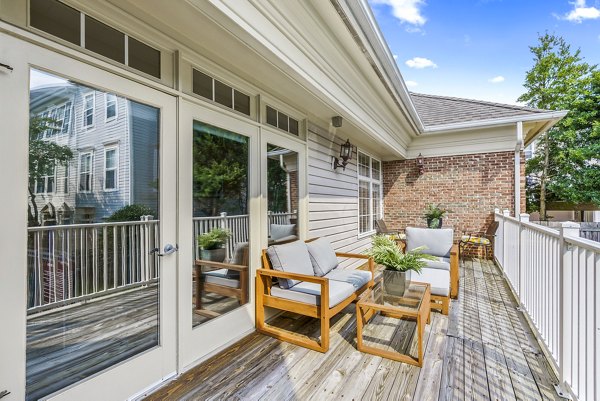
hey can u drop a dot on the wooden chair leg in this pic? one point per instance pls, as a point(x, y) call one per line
point(324, 334)
point(445, 305)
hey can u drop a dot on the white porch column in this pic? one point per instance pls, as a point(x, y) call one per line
point(518, 148)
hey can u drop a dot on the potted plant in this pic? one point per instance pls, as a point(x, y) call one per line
point(211, 244)
point(386, 252)
point(434, 215)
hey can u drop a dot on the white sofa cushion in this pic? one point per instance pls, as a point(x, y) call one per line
point(220, 277)
point(290, 258)
point(279, 231)
point(310, 293)
point(439, 280)
point(357, 278)
point(441, 263)
point(437, 240)
point(322, 256)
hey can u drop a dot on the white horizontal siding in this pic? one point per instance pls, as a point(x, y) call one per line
point(333, 195)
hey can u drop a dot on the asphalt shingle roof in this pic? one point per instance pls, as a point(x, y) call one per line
point(441, 110)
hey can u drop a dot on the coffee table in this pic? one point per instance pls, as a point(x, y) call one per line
point(412, 305)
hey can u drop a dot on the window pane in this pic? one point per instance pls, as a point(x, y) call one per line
point(242, 102)
point(363, 164)
point(223, 94)
point(104, 40)
point(202, 85)
point(282, 121)
point(293, 126)
point(376, 171)
point(271, 116)
point(111, 106)
point(363, 206)
point(96, 265)
point(143, 57)
point(57, 19)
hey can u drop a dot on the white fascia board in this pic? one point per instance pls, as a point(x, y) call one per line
point(495, 122)
point(364, 19)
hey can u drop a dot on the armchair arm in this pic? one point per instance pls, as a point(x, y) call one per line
point(220, 265)
point(454, 274)
point(359, 256)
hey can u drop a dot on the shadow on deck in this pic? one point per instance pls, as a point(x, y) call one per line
point(483, 350)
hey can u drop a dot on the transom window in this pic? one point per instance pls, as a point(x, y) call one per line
point(215, 90)
point(369, 193)
point(282, 121)
point(111, 165)
point(85, 172)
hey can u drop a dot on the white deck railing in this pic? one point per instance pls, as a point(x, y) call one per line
point(74, 262)
point(556, 277)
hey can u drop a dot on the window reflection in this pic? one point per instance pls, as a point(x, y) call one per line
point(282, 197)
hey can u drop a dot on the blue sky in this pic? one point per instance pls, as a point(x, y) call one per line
point(479, 49)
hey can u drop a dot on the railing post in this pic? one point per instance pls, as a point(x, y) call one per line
point(223, 225)
point(567, 228)
point(505, 213)
point(523, 218)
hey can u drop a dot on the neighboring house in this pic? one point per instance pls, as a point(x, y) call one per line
point(272, 72)
point(109, 137)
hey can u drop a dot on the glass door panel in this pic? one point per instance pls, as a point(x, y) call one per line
point(93, 227)
point(282, 194)
point(220, 201)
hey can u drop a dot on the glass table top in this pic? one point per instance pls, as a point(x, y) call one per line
point(408, 299)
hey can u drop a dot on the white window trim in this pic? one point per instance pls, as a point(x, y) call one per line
point(45, 180)
point(116, 168)
point(370, 180)
point(113, 118)
point(266, 100)
point(83, 120)
point(91, 172)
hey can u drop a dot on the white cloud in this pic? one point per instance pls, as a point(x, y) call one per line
point(395, 57)
point(581, 12)
point(420, 63)
point(496, 80)
point(40, 78)
point(411, 84)
point(408, 11)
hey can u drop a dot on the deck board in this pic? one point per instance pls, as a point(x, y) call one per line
point(483, 350)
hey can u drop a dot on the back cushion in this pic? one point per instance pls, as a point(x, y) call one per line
point(322, 256)
point(279, 231)
point(290, 258)
point(437, 240)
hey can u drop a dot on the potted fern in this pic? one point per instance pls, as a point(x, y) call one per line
point(212, 244)
point(434, 215)
point(386, 252)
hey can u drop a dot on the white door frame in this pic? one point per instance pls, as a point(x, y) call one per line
point(273, 137)
point(146, 369)
point(198, 343)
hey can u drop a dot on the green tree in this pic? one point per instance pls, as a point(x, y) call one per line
point(44, 156)
point(565, 163)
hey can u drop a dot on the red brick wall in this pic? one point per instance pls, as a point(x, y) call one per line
point(469, 185)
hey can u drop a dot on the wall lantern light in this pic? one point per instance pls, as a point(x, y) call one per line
point(346, 150)
point(420, 163)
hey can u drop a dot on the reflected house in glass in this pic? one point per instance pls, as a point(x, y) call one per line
point(112, 139)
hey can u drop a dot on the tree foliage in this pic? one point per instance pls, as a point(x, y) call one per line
point(566, 162)
point(44, 156)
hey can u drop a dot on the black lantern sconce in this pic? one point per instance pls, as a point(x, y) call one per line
point(420, 163)
point(346, 151)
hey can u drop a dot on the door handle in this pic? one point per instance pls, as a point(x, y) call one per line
point(169, 249)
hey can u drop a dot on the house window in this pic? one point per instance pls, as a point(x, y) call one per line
point(66, 126)
point(59, 120)
point(66, 179)
point(111, 106)
point(88, 110)
point(282, 121)
point(85, 172)
point(369, 193)
point(111, 165)
point(215, 90)
point(45, 185)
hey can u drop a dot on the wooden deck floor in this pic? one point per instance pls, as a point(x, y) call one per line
point(484, 350)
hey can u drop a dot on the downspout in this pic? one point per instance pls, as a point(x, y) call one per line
point(518, 148)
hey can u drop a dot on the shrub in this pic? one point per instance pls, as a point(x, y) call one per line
point(131, 213)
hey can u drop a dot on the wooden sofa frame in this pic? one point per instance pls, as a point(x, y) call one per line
point(440, 303)
point(264, 282)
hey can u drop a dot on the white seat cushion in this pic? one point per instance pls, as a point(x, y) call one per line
point(322, 256)
point(220, 277)
point(310, 293)
point(357, 278)
point(279, 231)
point(439, 280)
point(290, 258)
point(438, 241)
point(441, 263)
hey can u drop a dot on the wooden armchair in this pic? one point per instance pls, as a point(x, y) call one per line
point(227, 279)
point(341, 286)
point(483, 239)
